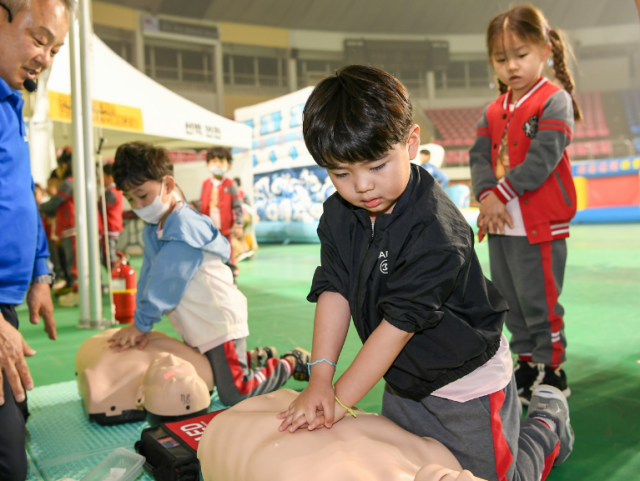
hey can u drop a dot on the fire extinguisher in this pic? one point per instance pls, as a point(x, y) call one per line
point(123, 281)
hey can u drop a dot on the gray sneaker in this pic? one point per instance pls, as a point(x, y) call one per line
point(548, 402)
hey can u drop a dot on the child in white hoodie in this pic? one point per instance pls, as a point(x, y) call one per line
point(185, 277)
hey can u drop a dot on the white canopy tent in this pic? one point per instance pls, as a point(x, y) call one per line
point(128, 105)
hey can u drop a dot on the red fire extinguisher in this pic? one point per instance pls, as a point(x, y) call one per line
point(123, 282)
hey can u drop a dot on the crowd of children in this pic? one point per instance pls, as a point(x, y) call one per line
point(397, 257)
point(58, 218)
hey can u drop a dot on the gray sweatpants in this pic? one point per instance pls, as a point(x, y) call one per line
point(530, 278)
point(235, 380)
point(484, 434)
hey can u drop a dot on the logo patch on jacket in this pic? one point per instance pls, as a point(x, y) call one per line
point(384, 268)
point(530, 127)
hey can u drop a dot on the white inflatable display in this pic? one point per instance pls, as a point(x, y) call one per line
point(288, 187)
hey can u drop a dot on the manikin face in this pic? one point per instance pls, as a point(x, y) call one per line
point(425, 158)
point(518, 64)
point(29, 43)
point(144, 194)
point(376, 185)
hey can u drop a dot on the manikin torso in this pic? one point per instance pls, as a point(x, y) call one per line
point(244, 444)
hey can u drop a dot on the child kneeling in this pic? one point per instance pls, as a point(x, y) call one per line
point(398, 258)
point(185, 277)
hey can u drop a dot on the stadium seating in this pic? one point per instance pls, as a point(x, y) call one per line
point(590, 149)
point(594, 123)
point(455, 127)
point(456, 157)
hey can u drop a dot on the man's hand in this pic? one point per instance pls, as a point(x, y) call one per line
point(493, 215)
point(40, 305)
point(128, 337)
point(13, 350)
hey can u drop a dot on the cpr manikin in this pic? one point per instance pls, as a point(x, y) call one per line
point(244, 444)
point(110, 381)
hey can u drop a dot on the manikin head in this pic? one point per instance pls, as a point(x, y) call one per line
point(218, 161)
point(173, 388)
point(358, 124)
point(144, 173)
point(31, 34)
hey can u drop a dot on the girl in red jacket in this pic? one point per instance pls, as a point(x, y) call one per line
point(521, 175)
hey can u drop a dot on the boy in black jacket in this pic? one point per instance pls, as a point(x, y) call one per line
point(397, 256)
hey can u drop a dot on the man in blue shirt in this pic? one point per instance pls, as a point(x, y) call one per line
point(31, 33)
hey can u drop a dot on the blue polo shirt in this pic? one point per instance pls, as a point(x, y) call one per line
point(23, 243)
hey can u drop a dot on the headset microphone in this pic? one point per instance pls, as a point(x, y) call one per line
point(30, 85)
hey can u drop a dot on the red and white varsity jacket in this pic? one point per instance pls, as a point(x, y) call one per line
point(229, 203)
point(539, 130)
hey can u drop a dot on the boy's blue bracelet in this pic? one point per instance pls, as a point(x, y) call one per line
point(309, 364)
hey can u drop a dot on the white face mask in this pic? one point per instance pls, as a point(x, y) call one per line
point(152, 213)
point(217, 171)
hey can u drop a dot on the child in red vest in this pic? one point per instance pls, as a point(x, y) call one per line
point(521, 175)
point(114, 206)
point(220, 199)
point(61, 207)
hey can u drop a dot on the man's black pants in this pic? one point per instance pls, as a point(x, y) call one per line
point(13, 457)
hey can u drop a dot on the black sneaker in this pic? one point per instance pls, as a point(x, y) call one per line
point(299, 357)
point(548, 402)
point(528, 377)
point(556, 378)
point(260, 356)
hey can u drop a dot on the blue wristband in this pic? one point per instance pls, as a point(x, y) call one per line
point(309, 364)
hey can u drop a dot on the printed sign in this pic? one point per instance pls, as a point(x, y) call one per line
point(105, 114)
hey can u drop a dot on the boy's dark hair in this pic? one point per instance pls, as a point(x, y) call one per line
point(107, 169)
point(356, 115)
point(137, 162)
point(220, 152)
point(425, 152)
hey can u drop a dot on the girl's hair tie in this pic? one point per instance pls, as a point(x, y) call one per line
point(548, 30)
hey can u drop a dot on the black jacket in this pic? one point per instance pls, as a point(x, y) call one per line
point(418, 270)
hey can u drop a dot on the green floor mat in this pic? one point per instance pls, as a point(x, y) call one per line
point(62, 443)
point(601, 298)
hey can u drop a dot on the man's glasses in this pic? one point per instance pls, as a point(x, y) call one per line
point(8, 11)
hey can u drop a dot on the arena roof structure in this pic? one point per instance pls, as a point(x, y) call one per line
point(384, 16)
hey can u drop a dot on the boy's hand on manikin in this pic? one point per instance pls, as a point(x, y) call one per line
point(493, 215)
point(320, 420)
point(128, 337)
point(317, 399)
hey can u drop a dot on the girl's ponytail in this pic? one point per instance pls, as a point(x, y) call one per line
point(502, 87)
point(563, 75)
